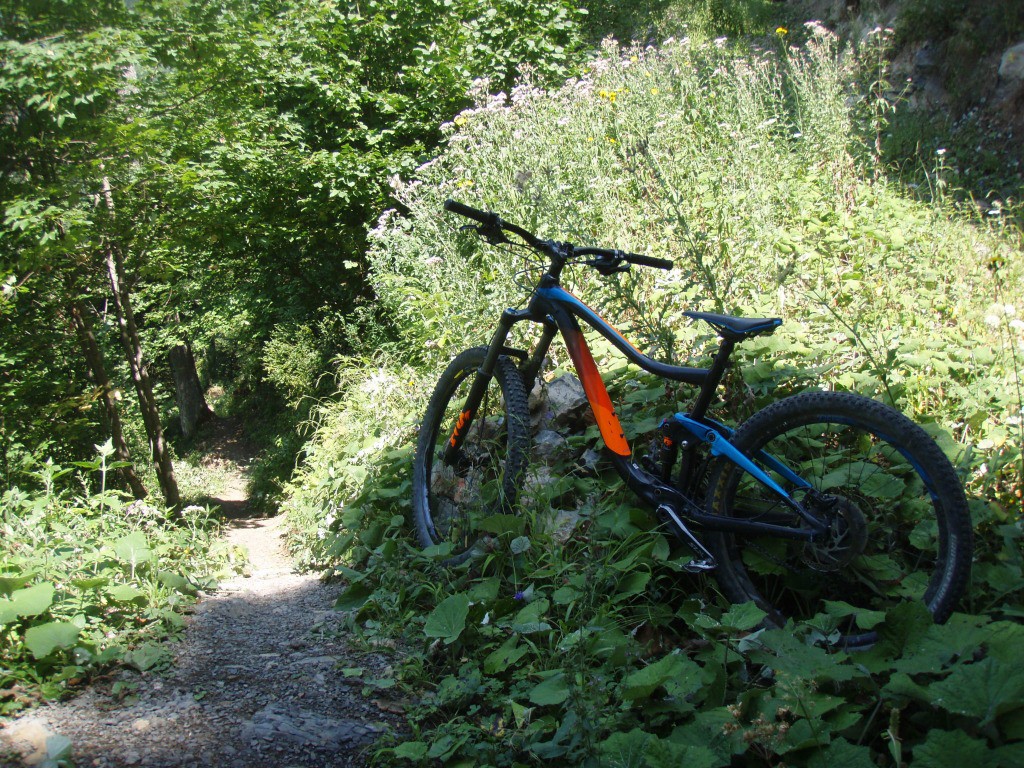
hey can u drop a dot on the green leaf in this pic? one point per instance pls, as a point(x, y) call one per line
point(176, 582)
point(125, 593)
point(625, 750)
point(12, 581)
point(501, 524)
point(505, 656)
point(952, 749)
point(642, 683)
point(448, 619)
point(133, 549)
point(519, 545)
point(743, 617)
point(552, 691)
point(631, 584)
point(983, 690)
point(44, 639)
point(411, 750)
point(91, 583)
point(786, 653)
point(353, 598)
point(662, 753)
point(30, 601)
point(147, 656)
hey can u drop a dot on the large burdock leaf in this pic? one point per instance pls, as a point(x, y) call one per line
point(625, 750)
point(30, 601)
point(842, 754)
point(952, 749)
point(448, 619)
point(984, 690)
point(46, 638)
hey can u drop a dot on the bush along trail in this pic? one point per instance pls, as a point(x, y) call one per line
point(253, 682)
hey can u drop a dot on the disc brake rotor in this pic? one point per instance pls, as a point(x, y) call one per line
point(846, 538)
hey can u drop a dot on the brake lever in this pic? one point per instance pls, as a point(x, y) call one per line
point(492, 234)
point(607, 266)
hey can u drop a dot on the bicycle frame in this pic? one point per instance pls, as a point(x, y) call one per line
point(558, 311)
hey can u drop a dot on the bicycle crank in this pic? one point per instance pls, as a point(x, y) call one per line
point(704, 560)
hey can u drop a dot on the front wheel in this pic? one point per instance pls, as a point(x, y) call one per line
point(899, 527)
point(452, 498)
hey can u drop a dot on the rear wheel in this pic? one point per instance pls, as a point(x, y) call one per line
point(899, 527)
point(451, 499)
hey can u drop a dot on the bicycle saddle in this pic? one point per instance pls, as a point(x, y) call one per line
point(737, 328)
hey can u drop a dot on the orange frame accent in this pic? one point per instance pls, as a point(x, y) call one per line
point(597, 393)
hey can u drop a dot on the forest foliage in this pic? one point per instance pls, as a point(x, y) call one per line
point(262, 183)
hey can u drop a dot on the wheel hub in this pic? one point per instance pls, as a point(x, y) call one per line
point(845, 538)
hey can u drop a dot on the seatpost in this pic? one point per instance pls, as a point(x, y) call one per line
point(715, 374)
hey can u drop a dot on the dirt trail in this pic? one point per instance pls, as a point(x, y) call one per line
point(256, 681)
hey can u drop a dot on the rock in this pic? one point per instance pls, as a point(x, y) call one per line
point(275, 722)
point(1011, 65)
point(589, 460)
point(535, 484)
point(549, 445)
point(566, 398)
point(36, 742)
point(925, 62)
point(562, 524)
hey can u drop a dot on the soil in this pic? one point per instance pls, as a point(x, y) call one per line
point(257, 679)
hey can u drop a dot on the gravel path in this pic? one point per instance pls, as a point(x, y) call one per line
point(256, 682)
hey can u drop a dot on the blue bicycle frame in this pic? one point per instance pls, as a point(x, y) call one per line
point(558, 311)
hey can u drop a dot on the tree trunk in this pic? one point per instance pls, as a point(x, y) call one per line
point(192, 407)
point(94, 360)
point(132, 345)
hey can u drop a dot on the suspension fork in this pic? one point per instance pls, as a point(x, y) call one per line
point(484, 373)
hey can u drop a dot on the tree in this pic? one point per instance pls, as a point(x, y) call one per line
point(62, 95)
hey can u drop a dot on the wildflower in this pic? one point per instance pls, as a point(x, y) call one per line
point(460, 121)
point(940, 152)
point(655, 91)
point(520, 596)
point(781, 31)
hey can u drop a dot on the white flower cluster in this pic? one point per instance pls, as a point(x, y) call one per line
point(997, 312)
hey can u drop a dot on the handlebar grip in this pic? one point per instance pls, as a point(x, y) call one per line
point(649, 261)
point(484, 217)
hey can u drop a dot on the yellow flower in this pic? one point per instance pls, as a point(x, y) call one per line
point(655, 91)
point(780, 31)
point(460, 121)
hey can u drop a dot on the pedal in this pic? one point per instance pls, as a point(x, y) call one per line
point(704, 561)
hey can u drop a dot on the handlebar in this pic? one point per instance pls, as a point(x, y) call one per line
point(607, 261)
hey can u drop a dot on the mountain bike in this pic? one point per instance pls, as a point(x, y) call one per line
point(822, 502)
